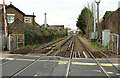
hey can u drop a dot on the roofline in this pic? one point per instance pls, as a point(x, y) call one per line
point(30, 15)
point(15, 8)
point(56, 25)
point(19, 10)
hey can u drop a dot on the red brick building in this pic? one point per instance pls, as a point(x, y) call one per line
point(18, 19)
point(112, 22)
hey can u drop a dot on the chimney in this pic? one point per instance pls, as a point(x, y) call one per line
point(119, 4)
point(45, 20)
point(10, 2)
point(33, 19)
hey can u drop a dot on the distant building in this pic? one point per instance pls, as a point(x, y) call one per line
point(56, 27)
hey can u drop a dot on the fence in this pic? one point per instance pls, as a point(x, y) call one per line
point(16, 41)
point(114, 44)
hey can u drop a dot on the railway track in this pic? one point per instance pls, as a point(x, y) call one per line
point(43, 56)
point(70, 48)
point(73, 55)
point(93, 57)
point(65, 49)
point(79, 50)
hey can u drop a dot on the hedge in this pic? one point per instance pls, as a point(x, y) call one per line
point(40, 35)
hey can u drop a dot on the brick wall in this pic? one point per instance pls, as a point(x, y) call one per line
point(111, 22)
point(119, 21)
point(17, 13)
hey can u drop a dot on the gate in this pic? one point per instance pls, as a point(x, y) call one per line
point(114, 43)
point(16, 41)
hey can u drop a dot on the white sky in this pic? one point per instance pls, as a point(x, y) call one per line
point(59, 12)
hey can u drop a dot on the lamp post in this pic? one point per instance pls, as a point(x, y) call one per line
point(94, 12)
point(98, 2)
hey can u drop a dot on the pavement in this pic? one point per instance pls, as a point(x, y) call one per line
point(54, 66)
point(115, 62)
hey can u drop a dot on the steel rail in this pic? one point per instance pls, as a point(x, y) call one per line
point(17, 73)
point(52, 43)
point(70, 61)
point(31, 52)
point(95, 59)
point(70, 44)
point(107, 59)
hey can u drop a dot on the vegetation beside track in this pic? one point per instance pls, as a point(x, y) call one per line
point(29, 48)
point(41, 35)
point(98, 46)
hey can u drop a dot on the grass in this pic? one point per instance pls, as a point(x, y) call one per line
point(82, 36)
point(37, 45)
point(95, 47)
point(98, 46)
point(27, 46)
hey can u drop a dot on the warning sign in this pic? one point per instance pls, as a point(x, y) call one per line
point(13, 37)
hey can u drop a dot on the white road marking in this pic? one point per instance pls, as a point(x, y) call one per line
point(85, 54)
point(79, 54)
point(49, 60)
point(26, 59)
point(116, 64)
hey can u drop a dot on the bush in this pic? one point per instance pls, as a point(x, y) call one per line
point(106, 47)
point(34, 45)
point(29, 36)
point(35, 35)
point(28, 46)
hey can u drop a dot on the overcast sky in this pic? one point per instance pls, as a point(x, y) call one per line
point(59, 12)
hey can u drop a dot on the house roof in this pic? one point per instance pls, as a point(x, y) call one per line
point(18, 24)
point(56, 25)
point(30, 15)
point(12, 6)
point(37, 24)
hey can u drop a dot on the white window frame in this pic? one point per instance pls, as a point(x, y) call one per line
point(12, 19)
point(29, 20)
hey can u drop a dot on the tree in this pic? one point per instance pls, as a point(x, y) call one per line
point(85, 20)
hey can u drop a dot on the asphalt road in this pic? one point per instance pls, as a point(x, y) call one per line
point(55, 66)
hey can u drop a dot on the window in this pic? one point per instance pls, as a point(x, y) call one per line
point(27, 20)
point(10, 18)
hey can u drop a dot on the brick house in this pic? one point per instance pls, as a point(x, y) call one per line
point(56, 28)
point(18, 19)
